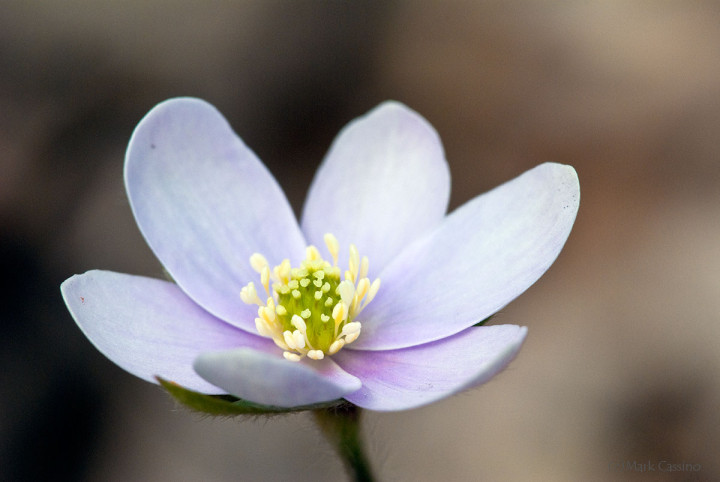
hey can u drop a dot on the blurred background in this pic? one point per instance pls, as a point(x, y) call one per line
point(621, 363)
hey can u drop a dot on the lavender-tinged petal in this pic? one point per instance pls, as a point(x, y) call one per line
point(483, 256)
point(269, 379)
point(412, 377)
point(205, 204)
point(384, 183)
point(150, 327)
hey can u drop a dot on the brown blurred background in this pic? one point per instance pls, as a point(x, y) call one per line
point(621, 362)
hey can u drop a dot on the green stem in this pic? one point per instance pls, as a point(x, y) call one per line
point(341, 426)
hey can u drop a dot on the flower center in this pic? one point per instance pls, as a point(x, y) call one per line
point(309, 310)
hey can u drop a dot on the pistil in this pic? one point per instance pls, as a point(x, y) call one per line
point(309, 311)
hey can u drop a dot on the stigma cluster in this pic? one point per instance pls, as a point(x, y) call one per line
point(309, 311)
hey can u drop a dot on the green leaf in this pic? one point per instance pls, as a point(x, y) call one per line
point(229, 406)
point(481, 323)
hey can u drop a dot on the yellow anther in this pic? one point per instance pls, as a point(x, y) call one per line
point(333, 247)
point(298, 323)
point(280, 341)
point(299, 339)
point(312, 253)
point(289, 340)
point(306, 313)
point(262, 327)
point(249, 295)
point(362, 289)
point(258, 262)
point(339, 313)
point(346, 290)
point(316, 354)
point(267, 312)
point(350, 328)
point(291, 356)
point(354, 262)
point(265, 279)
point(364, 266)
point(373, 291)
point(282, 271)
point(336, 346)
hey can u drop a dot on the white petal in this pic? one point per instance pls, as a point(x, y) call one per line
point(412, 377)
point(269, 379)
point(150, 327)
point(205, 204)
point(483, 256)
point(384, 183)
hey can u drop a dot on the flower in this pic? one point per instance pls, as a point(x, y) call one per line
point(218, 221)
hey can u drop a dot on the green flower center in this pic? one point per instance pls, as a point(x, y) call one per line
point(309, 310)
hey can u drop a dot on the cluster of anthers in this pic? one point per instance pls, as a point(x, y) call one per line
point(309, 311)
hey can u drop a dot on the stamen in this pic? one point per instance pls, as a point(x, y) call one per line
point(346, 290)
point(299, 339)
point(364, 266)
point(299, 323)
point(316, 354)
point(258, 262)
point(333, 247)
point(301, 301)
point(350, 328)
point(339, 313)
point(249, 295)
point(282, 271)
point(292, 356)
point(312, 253)
point(265, 279)
point(336, 346)
point(263, 328)
point(354, 263)
point(289, 341)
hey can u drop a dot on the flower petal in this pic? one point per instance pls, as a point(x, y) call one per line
point(205, 204)
point(411, 377)
point(483, 256)
point(384, 183)
point(150, 327)
point(269, 379)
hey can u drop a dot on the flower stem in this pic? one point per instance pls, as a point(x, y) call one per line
point(341, 426)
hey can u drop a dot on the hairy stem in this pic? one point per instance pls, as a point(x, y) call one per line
point(341, 426)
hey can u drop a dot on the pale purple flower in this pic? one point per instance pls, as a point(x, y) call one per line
point(206, 204)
